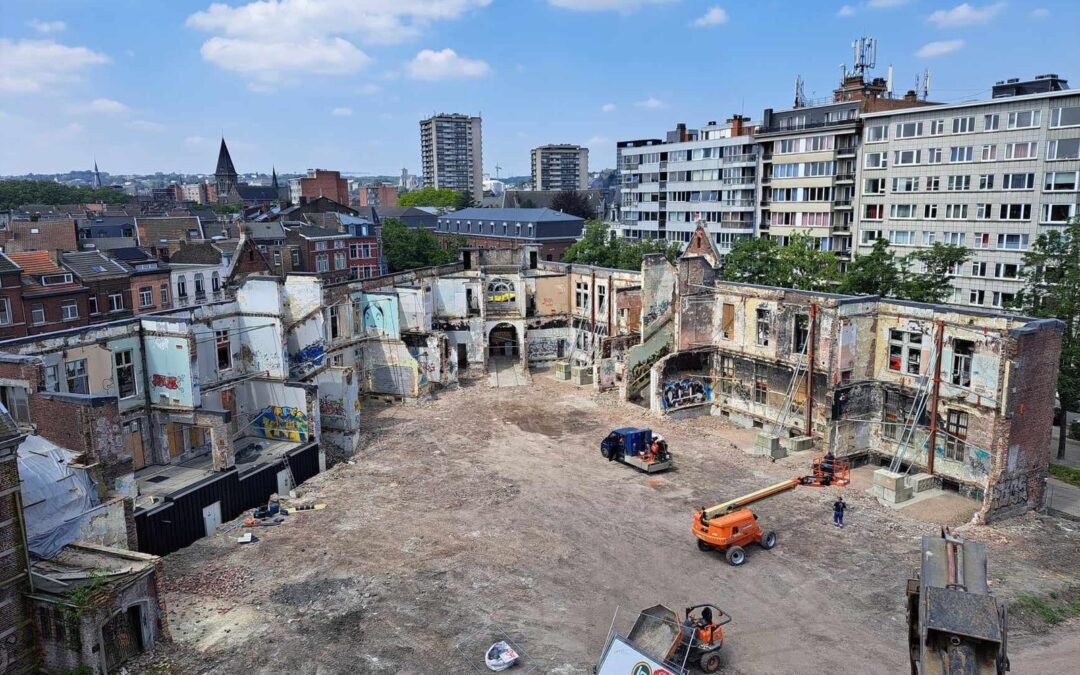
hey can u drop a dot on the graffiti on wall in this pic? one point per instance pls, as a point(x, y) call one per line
point(170, 382)
point(640, 371)
point(1009, 492)
point(331, 407)
point(544, 348)
point(282, 423)
point(685, 392)
point(311, 356)
point(373, 320)
point(978, 461)
point(656, 311)
point(606, 374)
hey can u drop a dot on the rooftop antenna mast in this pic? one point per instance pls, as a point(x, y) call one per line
point(926, 85)
point(800, 95)
point(865, 50)
point(497, 170)
point(888, 83)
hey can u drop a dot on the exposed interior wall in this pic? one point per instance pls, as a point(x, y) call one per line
point(272, 410)
point(551, 297)
point(657, 292)
point(640, 359)
point(547, 344)
point(390, 369)
point(170, 363)
point(684, 379)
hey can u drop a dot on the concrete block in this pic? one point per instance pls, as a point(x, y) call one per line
point(769, 445)
point(581, 374)
point(800, 443)
point(921, 482)
point(562, 371)
point(891, 487)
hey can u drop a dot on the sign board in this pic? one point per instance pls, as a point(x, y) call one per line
point(622, 658)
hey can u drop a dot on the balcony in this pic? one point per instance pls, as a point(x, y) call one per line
point(766, 156)
point(765, 180)
point(842, 203)
point(751, 157)
point(845, 178)
point(846, 152)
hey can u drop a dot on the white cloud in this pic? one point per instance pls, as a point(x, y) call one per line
point(146, 125)
point(369, 89)
point(605, 5)
point(846, 11)
point(271, 62)
point(274, 39)
point(885, 4)
point(105, 106)
point(965, 15)
point(47, 26)
point(35, 65)
point(940, 48)
point(716, 16)
point(341, 112)
point(607, 107)
point(651, 103)
point(1040, 13)
point(445, 65)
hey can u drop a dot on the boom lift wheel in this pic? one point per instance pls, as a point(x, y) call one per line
point(607, 453)
point(768, 540)
point(736, 555)
point(710, 663)
point(703, 546)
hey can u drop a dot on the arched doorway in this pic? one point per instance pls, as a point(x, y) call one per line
point(503, 342)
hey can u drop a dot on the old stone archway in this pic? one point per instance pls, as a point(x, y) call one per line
point(504, 342)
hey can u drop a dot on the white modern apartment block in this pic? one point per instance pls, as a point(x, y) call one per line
point(560, 167)
point(452, 153)
point(988, 175)
point(706, 174)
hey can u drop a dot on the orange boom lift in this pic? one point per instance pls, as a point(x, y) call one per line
point(731, 526)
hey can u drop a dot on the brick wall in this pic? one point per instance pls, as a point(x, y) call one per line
point(89, 425)
point(17, 653)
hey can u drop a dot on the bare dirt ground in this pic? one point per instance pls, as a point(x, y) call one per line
point(490, 511)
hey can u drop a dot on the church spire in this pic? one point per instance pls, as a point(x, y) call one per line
point(224, 161)
point(273, 177)
point(97, 175)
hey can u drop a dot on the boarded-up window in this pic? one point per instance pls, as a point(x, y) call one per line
point(727, 322)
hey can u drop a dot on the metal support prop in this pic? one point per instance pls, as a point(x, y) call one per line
point(931, 442)
point(812, 338)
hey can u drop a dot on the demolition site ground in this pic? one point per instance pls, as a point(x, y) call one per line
point(488, 514)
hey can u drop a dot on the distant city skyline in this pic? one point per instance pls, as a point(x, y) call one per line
point(342, 85)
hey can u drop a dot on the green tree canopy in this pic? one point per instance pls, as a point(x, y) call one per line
point(598, 247)
point(934, 282)
point(430, 196)
point(875, 273)
point(573, 203)
point(409, 248)
point(16, 193)
point(799, 265)
point(1052, 289)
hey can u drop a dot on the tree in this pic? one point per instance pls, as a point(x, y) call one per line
point(528, 204)
point(464, 200)
point(754, 260)
point(798, 265)
point(573, 203)
point(430, 196)
point(934, 283)
point(875, 273)
point(409, 248)
point(16, 193)
point(1052, 289)
point(599, 247)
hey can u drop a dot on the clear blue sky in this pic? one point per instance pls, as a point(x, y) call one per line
point(148, 85)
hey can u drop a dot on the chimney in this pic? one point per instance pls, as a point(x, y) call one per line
point(910, 96)
point(680, 130)
point(736, 123)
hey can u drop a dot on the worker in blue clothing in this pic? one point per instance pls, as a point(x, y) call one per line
point(838, 508)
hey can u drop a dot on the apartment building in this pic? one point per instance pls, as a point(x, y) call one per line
point(323, 183)
point(452, 153)
point(987, 175)
point(706, 174)
point(560, 167)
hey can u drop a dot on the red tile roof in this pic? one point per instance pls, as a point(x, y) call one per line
point(34, 262)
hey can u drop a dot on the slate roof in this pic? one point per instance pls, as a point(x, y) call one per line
point(224, 161)
point(543, 215)
point(257, 193)
point(512, 223)
point(7, 264)
point(35, 264)
point(93, 266)
point(312, 232)
point(264, 231)
point(179, 228)
point(198, 253)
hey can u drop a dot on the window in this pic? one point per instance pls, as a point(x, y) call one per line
point(1060, 181)
point(977, 298)
point(982, 240)
point(1002, 299)
point(1058, 213)
point(905, 351)
point(1021, 150)
point(339, 260)
point(959, 183)
point(902, 211)
point(200, 286)
point(933, 183)
point(1015, 212)
point(905, 185)
point(989, 153)
point(870, 236)
point(92, 304)
point(930, 211)
point(984, 211)
point(1007, 271)
point(1064, 117)
point(146, 296)
point(727, 374)
point(956, 211)
point(581, 295)
point(906, 157)
point(959, 153)
point(52, 378)
point(339, 243)
point(727, 321)
point(1018, 181)
point(116, 302)
point(333, 322)
point(937, 127)
point(878, 133)
point(761, 390)
point(990, 122)
point(902, 237)
point(354, 251)
point(873, 211)
point(986, 181)
point(125, 374)
point(933, 156)
point(215, 282)
point(77, 380)
point(5, 312)
point(1012, 242)
point(69, 310)
point(963, 125)
point(37, 315)
point(764, 323)
point(164, 294)
point(277, 259)
point(320, 246)
point(322, 263)
point(875, 160)
point(295, 254)
point(54, 279)
point(801, 333)
point(874, 186)
point(953, 238)
point(956, 430)
point(1063, 148)
point(909, 130)
point(181, 287)
point(928, 238)
point(1025, 119)
point(978, 269)
point(224, 351)
point(601, 299)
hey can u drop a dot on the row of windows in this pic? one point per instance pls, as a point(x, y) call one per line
point(1051, 213)
point(1053, 181)
point(979, 240)
point(1021, 119)
point(1064, 148)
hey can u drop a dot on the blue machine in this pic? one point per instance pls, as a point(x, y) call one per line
point(634, 446)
